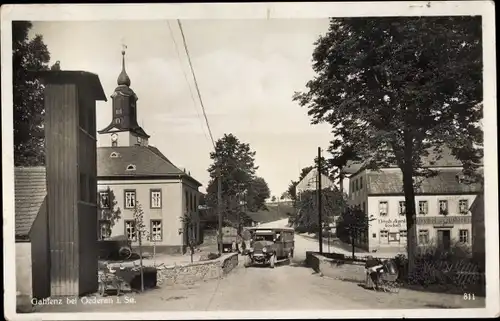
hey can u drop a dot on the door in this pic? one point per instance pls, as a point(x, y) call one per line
point(444, 239)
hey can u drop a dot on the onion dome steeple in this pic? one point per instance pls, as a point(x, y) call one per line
point(123, 78)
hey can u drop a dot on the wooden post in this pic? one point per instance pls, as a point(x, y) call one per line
point(71, 166)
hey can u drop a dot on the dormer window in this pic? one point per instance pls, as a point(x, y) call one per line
point(114, 155)
point(131, 167)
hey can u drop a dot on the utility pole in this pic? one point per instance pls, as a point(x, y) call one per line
point(319, 203)
point(219, 207)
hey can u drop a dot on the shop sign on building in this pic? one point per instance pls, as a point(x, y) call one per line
point(392, 222)
point(444, 220)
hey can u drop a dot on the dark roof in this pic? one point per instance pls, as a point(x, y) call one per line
point(83, 78)
point(116, 128)
point(446, 160)
point(30, 189)
point(445, 182)
point(148, 161)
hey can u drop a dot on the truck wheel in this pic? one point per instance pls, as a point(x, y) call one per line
point(272, 261)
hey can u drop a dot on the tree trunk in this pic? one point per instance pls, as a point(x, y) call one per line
point(140, 258)
point(411, 226)
point(353, 242)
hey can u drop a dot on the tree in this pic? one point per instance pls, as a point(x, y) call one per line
point(28, 55)
point(257, 194)
point(109, 212)
point(236, 162)
point(140, 233)
point(333, 203)
point(188, 221)
point(396, 89)
point(352, 223)
point(273, 199)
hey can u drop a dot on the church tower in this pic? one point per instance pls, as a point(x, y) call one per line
point(124, 129)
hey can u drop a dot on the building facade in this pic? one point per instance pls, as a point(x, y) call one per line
point(442, 205)
point(310, 182)
point(131, 172)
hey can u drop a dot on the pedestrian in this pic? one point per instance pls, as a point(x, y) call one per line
point(373, 267)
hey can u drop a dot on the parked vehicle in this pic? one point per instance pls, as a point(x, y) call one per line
point(269, 246)
point(230, 239)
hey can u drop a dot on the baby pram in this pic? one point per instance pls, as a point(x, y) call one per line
point(383, 276)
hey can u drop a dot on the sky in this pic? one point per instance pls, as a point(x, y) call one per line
point(247, 72)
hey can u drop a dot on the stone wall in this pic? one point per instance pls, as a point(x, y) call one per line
point(198, 271)
point(340, 269)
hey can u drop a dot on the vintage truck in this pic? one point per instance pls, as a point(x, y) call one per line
point(230, 239)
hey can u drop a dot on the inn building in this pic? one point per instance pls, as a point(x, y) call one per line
point(132, 172)
point(442, 202)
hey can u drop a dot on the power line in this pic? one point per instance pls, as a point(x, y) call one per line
point(196, 82)
point(185, 76)
point(219, 183)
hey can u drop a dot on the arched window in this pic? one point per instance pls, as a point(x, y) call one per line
point(114, 155)
point(131, 167)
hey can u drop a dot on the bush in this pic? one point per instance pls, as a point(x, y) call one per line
point(434, 266)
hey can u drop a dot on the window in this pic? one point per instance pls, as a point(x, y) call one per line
point(114, 155)
point(374, 235)
point(402, 233)
point(156, 231)
point(104, 199)
point(393, 237)
point(402, 208)
point(195, 203)
point(118, 111)
point(463, 236)
point(423, 207)
point(423, 236)
point(155, 198)
point(131, 167)
point(187, 201)
point(356, 186)
point(443, 207)
point(364, 207)
point(463, 206)
point(129, 199)
point(104, 229)
point(118, 120)
point(114, 144)
point(361, 183)
point(382, 208)
point(130, 230)
point(384, 236)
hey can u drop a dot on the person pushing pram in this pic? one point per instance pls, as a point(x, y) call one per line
point(380, 273)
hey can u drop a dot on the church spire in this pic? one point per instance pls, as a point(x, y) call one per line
point(123, 78)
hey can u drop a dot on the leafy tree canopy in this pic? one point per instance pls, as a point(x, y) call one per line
point(257, 194)
point(394, 89)
point(28, 55)
point(333, 203)
point(236, 162)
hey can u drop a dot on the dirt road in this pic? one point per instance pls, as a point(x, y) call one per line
point(287, 287)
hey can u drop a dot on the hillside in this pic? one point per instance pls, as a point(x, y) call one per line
point(273, 213)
